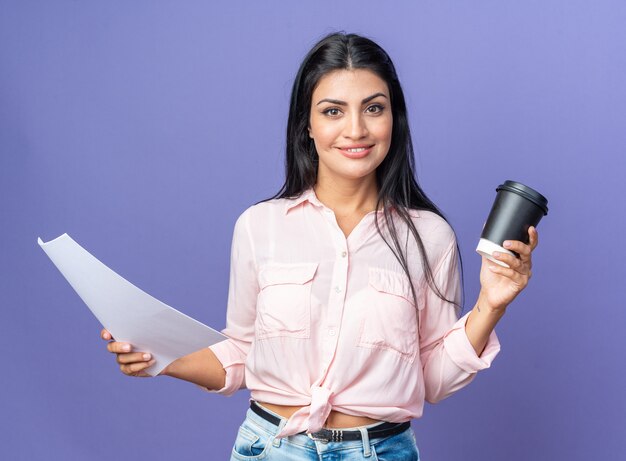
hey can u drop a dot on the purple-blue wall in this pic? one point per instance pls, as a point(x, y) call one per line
point(143, 129)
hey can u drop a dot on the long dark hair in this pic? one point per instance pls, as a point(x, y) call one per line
point(398, 190)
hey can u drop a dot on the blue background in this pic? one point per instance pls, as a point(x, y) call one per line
point(144, 128)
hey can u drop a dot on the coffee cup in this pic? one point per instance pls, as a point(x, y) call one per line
point(515, 209)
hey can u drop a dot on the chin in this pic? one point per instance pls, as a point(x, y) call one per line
point(350, 169)
point(356, 174)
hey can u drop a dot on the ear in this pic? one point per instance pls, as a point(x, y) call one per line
point(309, 128)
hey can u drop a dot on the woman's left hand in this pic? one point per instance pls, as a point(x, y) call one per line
point(500, 285)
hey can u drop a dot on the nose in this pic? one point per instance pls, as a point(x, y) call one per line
point(355, 127)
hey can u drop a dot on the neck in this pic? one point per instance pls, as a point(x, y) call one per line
point(347, 197)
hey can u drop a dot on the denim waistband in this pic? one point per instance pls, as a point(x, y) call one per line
point(344, 434)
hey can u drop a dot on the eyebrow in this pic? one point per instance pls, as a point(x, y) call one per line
point(343, 103)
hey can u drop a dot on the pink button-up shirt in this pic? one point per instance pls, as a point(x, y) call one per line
point(328, 322)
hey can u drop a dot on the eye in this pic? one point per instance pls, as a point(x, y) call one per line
point(375, 109)
point(331, 111)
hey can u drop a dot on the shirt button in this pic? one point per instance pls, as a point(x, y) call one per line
point(331, 332)
point(338, 289)
point(344, 254)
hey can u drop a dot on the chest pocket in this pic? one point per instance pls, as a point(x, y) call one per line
point(284, 300)
point(389, 320)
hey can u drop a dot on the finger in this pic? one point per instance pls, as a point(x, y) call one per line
point(533, 236)
point(134, 368)
point(118, 348)
point(512, 261)
point(134, 357)
point(519, 280)
point(519, 247)
point(501, 270)
point(105, 334)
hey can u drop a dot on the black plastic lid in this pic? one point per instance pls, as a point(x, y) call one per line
point(527, 193)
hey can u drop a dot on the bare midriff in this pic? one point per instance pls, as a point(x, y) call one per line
point(335, 420)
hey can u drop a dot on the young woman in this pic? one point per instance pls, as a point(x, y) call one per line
point(344, 289)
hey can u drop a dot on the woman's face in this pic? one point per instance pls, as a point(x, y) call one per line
point(350, 123)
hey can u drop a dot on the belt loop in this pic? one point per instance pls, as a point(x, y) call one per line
point(276, 441)
point(366, 442)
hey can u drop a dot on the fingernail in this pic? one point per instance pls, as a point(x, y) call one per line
point(146, 356)
point(126, 347)
point(507, 244)
point(496, 254)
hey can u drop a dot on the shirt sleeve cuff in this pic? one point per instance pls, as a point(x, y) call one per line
point(230, 357)
point(461, 351)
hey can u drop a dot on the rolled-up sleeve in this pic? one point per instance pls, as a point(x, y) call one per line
point(241, 309)
point(448, 359)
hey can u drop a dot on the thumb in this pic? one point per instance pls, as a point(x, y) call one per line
point(106, 335)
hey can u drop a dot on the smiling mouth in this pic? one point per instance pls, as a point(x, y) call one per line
point(356, 152)
point(355, 149)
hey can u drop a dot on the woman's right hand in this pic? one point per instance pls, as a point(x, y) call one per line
point(131, 363)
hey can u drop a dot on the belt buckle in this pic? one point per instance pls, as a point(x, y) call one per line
point(334, 435)
point(318, 438)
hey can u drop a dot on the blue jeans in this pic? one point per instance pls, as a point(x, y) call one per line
point(256, 441)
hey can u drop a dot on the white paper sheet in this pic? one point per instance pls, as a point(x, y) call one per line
point(130, 314)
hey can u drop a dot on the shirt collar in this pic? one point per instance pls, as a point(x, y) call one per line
point(307, 196)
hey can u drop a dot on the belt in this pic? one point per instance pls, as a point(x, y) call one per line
point(338, 435)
